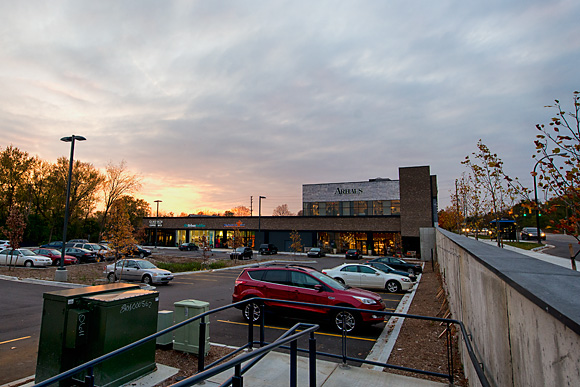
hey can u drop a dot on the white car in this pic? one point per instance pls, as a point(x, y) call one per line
point(4, 244)
point(23, 257)
point(363, 276)
point(137, 270)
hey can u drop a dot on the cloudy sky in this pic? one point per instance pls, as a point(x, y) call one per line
point(212, 102)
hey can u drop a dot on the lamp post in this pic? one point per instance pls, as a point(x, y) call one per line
point(157, 221)
point(61, 274)
point(539, 236)
point(260, 216)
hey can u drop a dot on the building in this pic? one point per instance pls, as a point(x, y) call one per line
point(375, 216)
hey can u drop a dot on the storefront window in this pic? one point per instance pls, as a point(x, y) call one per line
point(395, 207)
point(360, 208)
point(332, 209)
point(378, 207)
point(345, 208)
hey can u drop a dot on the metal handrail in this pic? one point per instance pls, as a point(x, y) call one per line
point(89, 379)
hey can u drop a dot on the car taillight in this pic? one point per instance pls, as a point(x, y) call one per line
point(240, 282)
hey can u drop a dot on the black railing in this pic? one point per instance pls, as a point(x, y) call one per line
point(204, 372)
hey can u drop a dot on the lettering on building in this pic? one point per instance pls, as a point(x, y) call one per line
point(348, 191)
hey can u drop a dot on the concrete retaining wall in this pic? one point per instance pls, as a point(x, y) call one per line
point(523, 314)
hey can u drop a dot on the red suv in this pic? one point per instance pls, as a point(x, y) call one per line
point(305, 284)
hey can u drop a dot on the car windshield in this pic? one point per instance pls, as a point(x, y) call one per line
point(53, 251)
point(26, 252)
point(240, 249)
point(147, 265)
point(382, 267)
point(315, 249)
point(328, 280)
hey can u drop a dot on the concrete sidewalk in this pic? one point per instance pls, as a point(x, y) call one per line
point(274, 370)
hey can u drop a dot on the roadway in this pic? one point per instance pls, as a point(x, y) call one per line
point(21, 311)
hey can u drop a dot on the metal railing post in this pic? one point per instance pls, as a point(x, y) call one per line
point(251, 334)
point(201, 356)
point(449, 353)
point(237, 379)
point(312, 359)
point(262, 324)
point(90, 378)
point(343, 349)
point(293, 363)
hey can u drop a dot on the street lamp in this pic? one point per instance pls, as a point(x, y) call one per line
point(260, 215)
point(539, 236)
point(157, 221)
point(61, 274)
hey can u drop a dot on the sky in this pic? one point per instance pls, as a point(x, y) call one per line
point(213, 102)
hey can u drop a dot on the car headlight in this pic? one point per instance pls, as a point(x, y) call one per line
point(405, 279)
point(365, 300)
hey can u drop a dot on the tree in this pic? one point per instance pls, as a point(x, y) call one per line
point(488, 174)
point(16, 169)
point(14, 230)
point(558, 156)
point(119, 231)
point(449, 218)
point(296, 245)
point(282, 210)
point(240, 211)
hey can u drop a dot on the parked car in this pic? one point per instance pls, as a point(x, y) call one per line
point(390, 270)
point(188, 247)
point(268, 248)
point(137, 270)
point(315, 252)
point(56, 255)
point(23, 257)
point(531, 233)
point(53, 245)
point(304, 284)
point(242, 253)
point(138, 251)
point(364, 276)
point(399, 264)
point(78, 241)
point(353, 254)
point(4, 244)
point(83, 256)
point(94, 247)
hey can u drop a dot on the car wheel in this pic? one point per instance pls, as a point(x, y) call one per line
point(147, 279)
point(411, 271)
point(111, 277)
point(340, 281)
point(252, 312)
point(56, 262)
point(351, 321)
point(141, 255)
point(393, 286)
point(28, 264)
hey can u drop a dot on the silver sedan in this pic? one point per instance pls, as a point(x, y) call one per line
point(137, 270)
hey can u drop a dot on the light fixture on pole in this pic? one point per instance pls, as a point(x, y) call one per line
point(157, 221)
point(61, 274)
point(539, 235)
point(260, 216)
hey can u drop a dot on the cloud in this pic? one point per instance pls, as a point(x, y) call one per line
point(224, 100)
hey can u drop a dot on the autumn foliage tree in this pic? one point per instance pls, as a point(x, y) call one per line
point(558, 158)
point(119, 231)
point(14, 230)
point(282, 210)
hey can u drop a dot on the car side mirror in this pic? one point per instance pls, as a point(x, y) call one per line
point(318, 288)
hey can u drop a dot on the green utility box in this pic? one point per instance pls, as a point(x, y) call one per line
point(81, 324)
point(164, 321)
point(186, 338)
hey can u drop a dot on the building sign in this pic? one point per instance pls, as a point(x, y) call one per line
point(233, 225)
point(348, 191)
point(155, 223)
point(194, 225)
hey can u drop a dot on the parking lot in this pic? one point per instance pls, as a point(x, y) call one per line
point(21, 327)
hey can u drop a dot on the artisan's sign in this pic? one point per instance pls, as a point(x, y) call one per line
point(189, 225)
point(348, 191)
point(237, 224)
point(155, 223)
